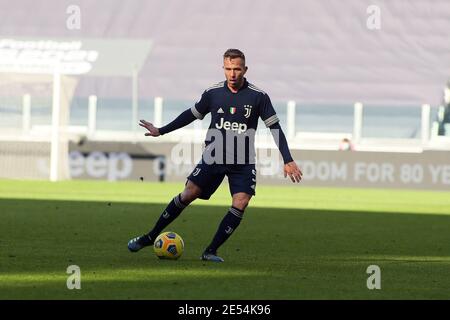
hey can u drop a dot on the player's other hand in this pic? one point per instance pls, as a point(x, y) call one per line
point(152, 130)
point(293, 171)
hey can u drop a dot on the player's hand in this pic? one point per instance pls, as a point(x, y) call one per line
point(152, 130)
point(293, 171)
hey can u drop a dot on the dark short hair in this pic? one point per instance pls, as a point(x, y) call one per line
point(233, 54)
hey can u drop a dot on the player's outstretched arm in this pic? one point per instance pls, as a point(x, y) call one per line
point(185, 118)
point(290, 167)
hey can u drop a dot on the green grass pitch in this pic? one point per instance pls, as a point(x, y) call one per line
point(294, 243)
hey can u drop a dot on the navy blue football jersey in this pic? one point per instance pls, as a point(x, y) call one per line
point(234, 120)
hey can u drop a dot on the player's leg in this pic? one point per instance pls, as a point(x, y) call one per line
point(175, 207)
point(227, 226)
point(242, 181)
point(201, 183)
point(170, 213)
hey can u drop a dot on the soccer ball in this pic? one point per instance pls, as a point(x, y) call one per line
point(168, 245)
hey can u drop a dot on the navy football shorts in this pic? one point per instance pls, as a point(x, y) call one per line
point(241, 178)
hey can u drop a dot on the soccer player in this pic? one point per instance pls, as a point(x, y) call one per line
point(235, 106)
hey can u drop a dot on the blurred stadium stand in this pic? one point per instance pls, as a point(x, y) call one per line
point(329, 76)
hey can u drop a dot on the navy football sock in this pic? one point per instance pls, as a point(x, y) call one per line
point(172, 211)
point(229, 223)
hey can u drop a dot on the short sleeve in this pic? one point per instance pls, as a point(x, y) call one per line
point(201, 108)
point(267, 112)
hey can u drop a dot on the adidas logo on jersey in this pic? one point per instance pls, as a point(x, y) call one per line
point(234, 126)
point(220, 110)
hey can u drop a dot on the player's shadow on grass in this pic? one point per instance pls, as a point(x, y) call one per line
point(49, 233)
point(275, 253)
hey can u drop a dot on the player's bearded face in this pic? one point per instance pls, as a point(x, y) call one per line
point(235, 70)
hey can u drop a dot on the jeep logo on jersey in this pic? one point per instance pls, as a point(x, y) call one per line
point(234, 126)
